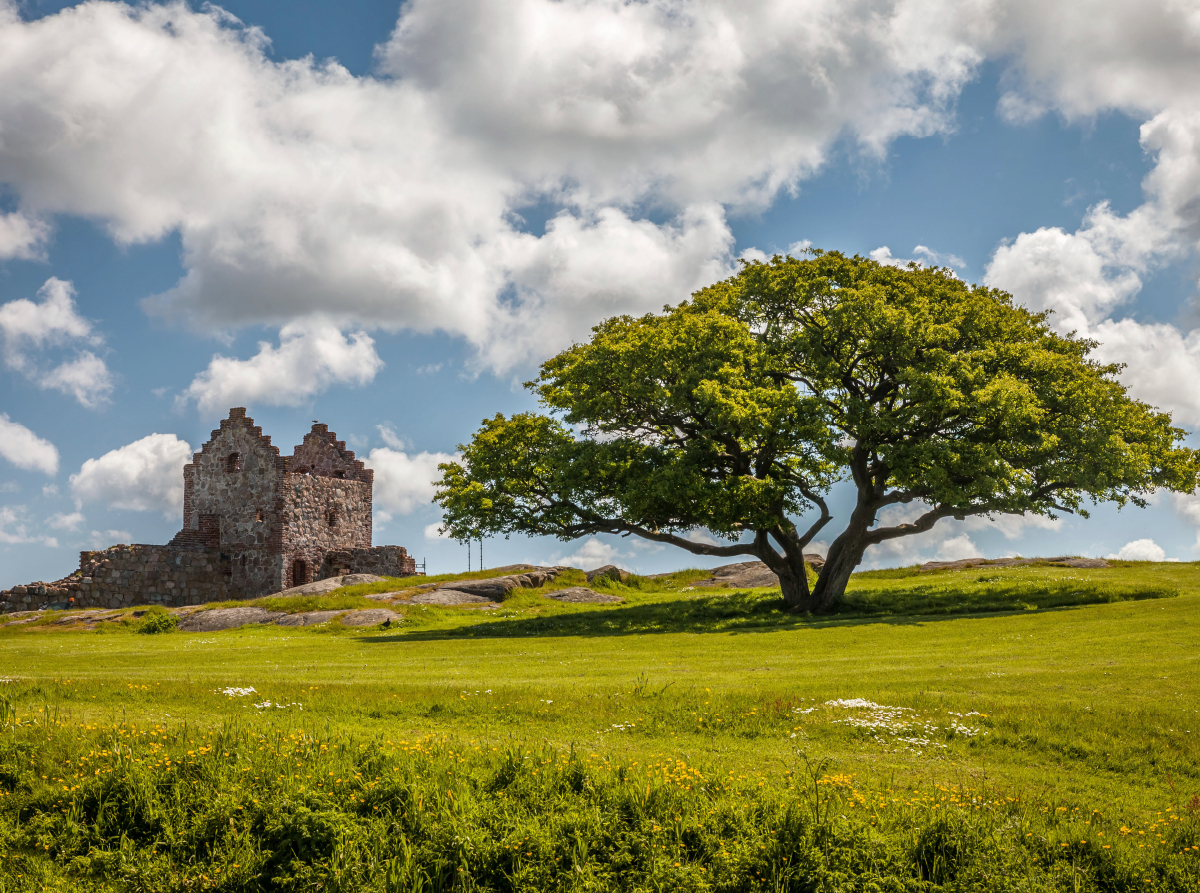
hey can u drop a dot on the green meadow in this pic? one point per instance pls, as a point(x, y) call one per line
point(1016, 729)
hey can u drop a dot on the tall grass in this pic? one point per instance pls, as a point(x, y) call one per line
point(265, 807)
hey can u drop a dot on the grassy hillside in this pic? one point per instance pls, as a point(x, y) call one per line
point(1018, 729)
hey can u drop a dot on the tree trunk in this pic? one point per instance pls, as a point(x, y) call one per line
point(788, 567)
point(844, 556)
point(794, 585)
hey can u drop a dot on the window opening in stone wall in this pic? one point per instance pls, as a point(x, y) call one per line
point(258, 515)
point(233, 462)
point(299, 572)
point(332, 518)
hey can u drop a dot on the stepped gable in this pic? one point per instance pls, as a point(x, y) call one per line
point(239, 419)
point(254, 522)
point(323, 455)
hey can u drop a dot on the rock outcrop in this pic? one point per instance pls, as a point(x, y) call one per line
point(750, 574)
point(498, 588)
point(609, 571)
point(320, 587)
point(579, 595)
point(1061, 561)
point(226, 618)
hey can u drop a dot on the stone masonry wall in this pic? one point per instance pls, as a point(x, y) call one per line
point(384, 561)
point(129, 575)
point(235, 483)
point(249, 514)
point(322, 514)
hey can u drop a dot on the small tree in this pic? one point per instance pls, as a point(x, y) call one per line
point(738, 410)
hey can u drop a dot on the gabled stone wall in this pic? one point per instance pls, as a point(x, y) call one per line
point(253, 521)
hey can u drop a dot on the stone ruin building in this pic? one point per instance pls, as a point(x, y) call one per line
point(254, 522)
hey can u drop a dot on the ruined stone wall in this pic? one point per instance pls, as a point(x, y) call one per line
point(131, 575)
point(174, 576)
point(233, 503)
point(248, 515)
point(323, 455)
point(321, 514)
point(384, 561)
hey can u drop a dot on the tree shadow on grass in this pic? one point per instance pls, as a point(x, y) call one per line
point(757, 612)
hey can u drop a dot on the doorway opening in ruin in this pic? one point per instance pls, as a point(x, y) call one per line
point(299, 572)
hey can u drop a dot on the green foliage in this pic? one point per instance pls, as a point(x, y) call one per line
point(254, 808)
point(1023, 750)
point(736, 411)
point(953, 394)
point(158, 620)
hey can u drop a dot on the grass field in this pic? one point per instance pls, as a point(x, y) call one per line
point(1020, 729)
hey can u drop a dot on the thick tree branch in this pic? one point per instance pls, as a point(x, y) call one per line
point(923, 523)
point(613, 525)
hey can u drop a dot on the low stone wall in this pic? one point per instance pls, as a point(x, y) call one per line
point(174, 576)
point(130, 575)
point(384, 561)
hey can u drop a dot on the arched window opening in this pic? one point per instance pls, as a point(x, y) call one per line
point(299, 572)
point(258, 516)
point(233, 462)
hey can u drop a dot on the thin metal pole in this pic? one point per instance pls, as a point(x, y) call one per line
point(481, 554)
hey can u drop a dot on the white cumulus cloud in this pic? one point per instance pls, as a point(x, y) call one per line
point(60, 521)
point(403, 481)
point(1082, 59)
point(300, 191)
point(102, 539)
point(1141, 550)
point(22, 237)
point(312, 356)
point(433, 532)
point(592, 553)
point(146, 475)
point(29, 329)
point(24, 449)
point(957, 547)
point(394, 199)
point(13, 530)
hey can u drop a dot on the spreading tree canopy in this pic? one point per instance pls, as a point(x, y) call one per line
point(736, 412)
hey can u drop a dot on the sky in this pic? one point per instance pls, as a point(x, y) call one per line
point(385, 217)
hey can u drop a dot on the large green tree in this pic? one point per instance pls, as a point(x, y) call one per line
point(736, 411)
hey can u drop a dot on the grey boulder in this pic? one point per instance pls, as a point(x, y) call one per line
point(578, 595)
point(317, 587)
point(308, 618)
point(611, 571)
point(356, 579)
point(744, 575)
point(495, 589)
point(368, 617)
point(226, 618)
point(450, 598)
